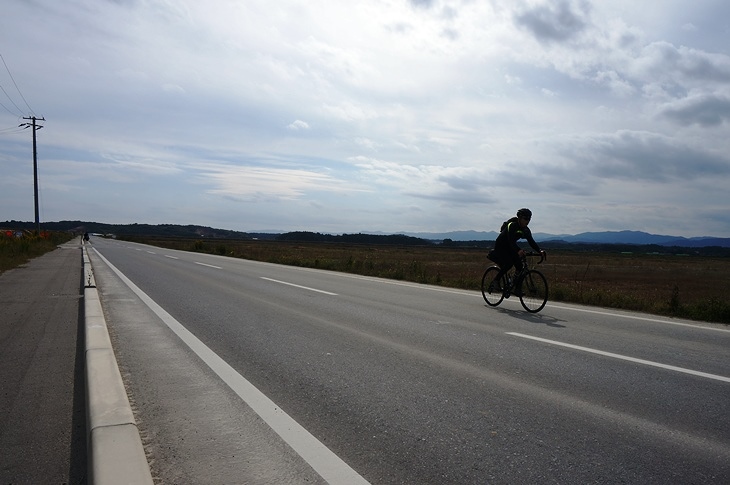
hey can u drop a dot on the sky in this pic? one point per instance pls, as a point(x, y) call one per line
point(394, 116)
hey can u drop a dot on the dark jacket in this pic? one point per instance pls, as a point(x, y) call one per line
point(506, 242)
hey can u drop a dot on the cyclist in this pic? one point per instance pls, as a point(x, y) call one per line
point(506, 252)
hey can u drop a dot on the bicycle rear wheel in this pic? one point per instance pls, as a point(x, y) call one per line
point(491, 292)
point(533, 291)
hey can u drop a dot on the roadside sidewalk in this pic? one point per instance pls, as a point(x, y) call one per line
point(42, 385)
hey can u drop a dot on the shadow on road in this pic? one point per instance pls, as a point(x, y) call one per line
point(532, 317)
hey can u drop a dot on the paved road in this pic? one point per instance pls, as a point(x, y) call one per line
point(403, 383)
point(42, 410)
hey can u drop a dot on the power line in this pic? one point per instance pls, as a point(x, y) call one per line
point(33, 124)
point(11, 100)
point(12, 130)
point(17, 88)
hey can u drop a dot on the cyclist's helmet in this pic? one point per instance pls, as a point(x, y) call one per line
point(526, 213)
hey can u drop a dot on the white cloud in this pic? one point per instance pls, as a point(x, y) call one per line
point(251, 183)
point(298, 125)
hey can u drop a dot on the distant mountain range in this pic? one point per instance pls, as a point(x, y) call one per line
point(607, 237)
point(174, 230)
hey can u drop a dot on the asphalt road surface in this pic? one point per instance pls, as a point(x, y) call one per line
point(246, 372)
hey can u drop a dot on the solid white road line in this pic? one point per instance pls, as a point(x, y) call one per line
point(623, 357)
point(636, 317)
point(298, 286)
point(328, 465)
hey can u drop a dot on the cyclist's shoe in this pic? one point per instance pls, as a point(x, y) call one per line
point(506, 293)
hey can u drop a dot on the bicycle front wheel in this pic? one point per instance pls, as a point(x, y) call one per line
point(533, 291)
point(491, 291)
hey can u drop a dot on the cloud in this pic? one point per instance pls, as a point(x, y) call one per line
point(680, 66)
point(555, 22)
point(143, 165)
point(250, 183)
point(298, 125)
point(422, 3)
point(460, 185)
point(707, 110)
point(643, 156)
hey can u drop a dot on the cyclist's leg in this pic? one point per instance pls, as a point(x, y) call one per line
point(504, 263)
point(517, 262)
point(512, 260)
point(520, 272)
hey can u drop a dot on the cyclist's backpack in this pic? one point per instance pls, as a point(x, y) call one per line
point(506, 223)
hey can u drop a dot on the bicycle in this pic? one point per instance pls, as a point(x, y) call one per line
point(529, 285)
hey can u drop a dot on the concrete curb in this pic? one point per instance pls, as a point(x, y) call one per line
point(115, 451)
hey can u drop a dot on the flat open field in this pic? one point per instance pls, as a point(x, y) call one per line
point(687, 286)
point(16, 251)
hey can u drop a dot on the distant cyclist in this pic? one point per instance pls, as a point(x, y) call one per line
point(506, 252)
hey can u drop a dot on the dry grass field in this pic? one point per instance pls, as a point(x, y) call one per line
point(16, 251)
point(686, 286)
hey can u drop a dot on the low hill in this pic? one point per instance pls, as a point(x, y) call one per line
point(171, 230)
point(658, 243)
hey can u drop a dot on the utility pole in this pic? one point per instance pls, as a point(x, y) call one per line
point(35, 167)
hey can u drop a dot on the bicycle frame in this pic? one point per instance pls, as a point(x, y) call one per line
point(525, 266)
point(528, 284)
